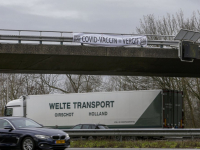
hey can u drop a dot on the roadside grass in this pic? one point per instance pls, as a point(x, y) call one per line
point(135, 144)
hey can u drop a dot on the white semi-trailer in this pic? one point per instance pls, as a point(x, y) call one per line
point(121, 109)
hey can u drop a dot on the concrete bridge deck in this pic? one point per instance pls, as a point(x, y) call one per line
point(63, 59)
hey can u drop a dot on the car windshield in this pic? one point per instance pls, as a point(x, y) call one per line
point(24, 123)
point(103, 127)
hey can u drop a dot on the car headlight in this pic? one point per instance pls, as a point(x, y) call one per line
point(67, 135)
point(43, 137)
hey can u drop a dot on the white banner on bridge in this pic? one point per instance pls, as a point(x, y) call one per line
point(109, 40)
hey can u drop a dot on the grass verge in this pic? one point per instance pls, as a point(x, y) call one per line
point(135, 144)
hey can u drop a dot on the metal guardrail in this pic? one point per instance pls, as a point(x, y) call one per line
point(36, 38)
point(134, 132)
point(61, 39)
point(61, 32)
point(20, 38)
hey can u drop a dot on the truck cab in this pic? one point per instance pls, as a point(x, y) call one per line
point(15, 108)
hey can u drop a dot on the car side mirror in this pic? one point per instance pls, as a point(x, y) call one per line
point(8, 127)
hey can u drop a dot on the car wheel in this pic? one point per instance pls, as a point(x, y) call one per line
point(28, 144)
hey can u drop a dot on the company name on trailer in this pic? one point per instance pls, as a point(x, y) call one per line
point(82, 105)
point(64, 114)
point(98, 113)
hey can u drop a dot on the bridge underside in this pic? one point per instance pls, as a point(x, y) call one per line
point(58, 59)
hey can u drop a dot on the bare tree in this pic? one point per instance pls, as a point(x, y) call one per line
point(68, 83)
point(170, 25)
point(126, 83)
point(21, 84)
point(83, 83)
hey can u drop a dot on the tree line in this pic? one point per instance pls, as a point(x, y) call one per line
point(12, 86)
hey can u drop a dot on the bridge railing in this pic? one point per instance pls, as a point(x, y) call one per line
point(70, 32)
point(61, 37)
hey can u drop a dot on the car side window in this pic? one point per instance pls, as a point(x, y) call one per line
point(77, 127)
point(85, 126)
point(93, 127)
point(4, 123)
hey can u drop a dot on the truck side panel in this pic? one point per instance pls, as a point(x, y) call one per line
point(152, 117)
point(127, 109)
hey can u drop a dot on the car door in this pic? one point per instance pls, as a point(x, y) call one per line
point(2, 133)
point(93, 127)
point(7, 137)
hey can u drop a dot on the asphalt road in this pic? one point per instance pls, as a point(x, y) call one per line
point(124, 149)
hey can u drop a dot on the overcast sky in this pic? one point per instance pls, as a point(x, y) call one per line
point(113, 16)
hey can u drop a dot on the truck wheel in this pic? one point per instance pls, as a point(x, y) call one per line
point(28, 144)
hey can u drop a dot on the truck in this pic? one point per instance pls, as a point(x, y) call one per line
point(119, 109)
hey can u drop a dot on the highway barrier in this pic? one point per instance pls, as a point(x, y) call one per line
point(134, 132)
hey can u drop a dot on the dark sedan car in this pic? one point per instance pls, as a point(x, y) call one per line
point(26, 134)
point(90, 126)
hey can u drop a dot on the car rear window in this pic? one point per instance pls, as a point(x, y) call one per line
point(77, 127)
point(103, 127)
point(4, 123)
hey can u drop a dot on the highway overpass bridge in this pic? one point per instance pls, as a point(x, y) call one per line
point(92, 60)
